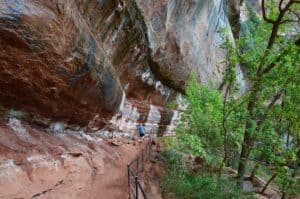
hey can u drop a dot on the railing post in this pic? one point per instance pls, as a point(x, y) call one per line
point(136, 187)
point(137, 164)
point(128, 173)
point(146, 153)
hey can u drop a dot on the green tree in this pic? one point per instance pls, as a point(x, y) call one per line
point(218, 124)
point(200, 127)
point(271, 53)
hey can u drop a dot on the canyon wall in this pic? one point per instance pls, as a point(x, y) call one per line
point(78, 61)
point(185, 36)
point(73, 72)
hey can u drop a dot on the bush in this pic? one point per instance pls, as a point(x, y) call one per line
point(179, 183)
point(200, 128)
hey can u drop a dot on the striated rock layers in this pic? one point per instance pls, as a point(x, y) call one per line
point(101, 66)
point(77, 60)
point(52, 64)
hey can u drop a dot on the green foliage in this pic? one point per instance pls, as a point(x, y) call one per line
point(169, 142)
point(273, 68)
point(179, 183)
point(288, 183)
point(217, 125)
point(249, 27)
point(192, 144)
point(201, 132)
point(200, 128)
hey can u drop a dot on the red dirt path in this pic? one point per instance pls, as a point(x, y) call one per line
point(35, 163)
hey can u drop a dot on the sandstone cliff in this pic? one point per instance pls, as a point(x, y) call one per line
point(70, 67)
point(73, 60)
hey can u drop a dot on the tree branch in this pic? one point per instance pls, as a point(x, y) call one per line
point(272, 38)
point(261, 119)
point(273, 64)
point(295, 17)
point(297, 14)
point(280, 5)
point(231, 110)
point(264, 13)
point(275, 98)
point(289, 21)
point(273, 101)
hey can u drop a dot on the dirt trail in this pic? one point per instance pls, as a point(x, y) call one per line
point(152, 179)
point(35, 163)
point(151, 176)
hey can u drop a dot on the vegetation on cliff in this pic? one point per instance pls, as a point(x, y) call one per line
point(256, 134)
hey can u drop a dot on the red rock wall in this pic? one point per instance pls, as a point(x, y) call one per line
point(73, 60)
point(69, 60)
point(52, 65)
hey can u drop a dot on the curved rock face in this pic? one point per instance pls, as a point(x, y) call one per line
point(75, 60)
point(184, 37)
point(51, 63)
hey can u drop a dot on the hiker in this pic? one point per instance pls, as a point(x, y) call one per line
point(141, 130)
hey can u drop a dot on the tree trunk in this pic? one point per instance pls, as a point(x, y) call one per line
point(268, 183)
point(283, 196)
point(248, 141)
point(243, 158)
point(224, 119)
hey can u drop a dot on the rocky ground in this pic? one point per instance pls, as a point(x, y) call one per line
point(38, 163)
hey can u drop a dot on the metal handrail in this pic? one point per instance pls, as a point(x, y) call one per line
point(138, 187)
point(132, 161)
point(141, 188)
point(133, 174)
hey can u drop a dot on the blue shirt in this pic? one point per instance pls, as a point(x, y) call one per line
point(141, 129)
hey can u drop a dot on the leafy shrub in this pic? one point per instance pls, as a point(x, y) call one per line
point(199, 131)
point(179, 183)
